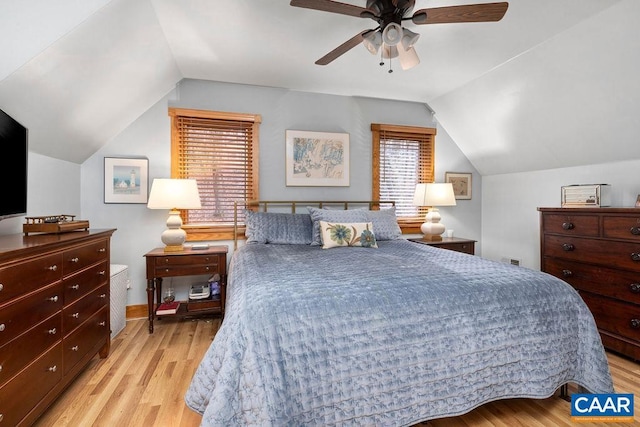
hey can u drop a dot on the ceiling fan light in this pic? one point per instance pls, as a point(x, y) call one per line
point(408, 57)
point(372, 41)
point(409, 38)
point(392, 34)
point(389, 52)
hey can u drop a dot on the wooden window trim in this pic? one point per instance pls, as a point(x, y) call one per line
point(407, 225)
point(200, 232)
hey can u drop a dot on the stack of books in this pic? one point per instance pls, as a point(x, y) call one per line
point(168, 308)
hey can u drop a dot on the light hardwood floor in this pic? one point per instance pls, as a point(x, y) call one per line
point(143, 381)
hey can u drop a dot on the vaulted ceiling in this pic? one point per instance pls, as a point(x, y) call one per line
point(554, 84)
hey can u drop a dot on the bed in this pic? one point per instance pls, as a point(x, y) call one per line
point(319, 332)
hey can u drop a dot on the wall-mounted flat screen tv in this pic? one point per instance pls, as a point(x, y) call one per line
point(13, 173)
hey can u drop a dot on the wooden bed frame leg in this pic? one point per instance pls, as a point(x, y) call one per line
point(564, 392)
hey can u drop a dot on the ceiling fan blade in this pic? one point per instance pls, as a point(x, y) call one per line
point(486, 12)
point(330, 6)
point(342, 49)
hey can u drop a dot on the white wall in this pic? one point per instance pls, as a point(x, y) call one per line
point(139, 229)
point(53, 189)
point(510, 220)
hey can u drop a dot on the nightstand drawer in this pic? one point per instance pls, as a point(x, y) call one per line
point(467, 248)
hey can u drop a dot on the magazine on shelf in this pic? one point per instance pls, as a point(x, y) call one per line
point(168, 308)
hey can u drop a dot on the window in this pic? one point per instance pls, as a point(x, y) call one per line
point(220, 151)
point(402, 157)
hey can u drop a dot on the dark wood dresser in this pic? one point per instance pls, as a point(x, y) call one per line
point(597, 251)
point(54, 316)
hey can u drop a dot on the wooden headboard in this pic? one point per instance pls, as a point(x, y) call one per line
point(292, 206)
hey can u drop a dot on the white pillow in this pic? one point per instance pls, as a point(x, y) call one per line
point(335, 234)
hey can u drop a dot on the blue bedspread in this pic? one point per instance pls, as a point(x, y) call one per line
point(388, 336)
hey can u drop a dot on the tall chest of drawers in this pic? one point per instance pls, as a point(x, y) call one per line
point(54, 316)
point(597, 251)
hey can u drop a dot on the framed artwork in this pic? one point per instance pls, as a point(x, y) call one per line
point(126, 180)
point(638, 201)
point(317, 158)
point(461, 182)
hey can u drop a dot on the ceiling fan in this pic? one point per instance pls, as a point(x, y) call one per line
point(390, 37)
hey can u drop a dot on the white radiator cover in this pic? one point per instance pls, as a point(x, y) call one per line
point(119, 286)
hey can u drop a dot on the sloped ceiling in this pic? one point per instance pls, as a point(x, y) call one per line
point(553, 84)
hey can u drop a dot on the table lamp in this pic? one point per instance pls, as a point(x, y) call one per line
point(174, 194)
point(432, 195)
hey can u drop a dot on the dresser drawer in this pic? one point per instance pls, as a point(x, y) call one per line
point(614, 316)
point(92, 333)
point(184, 266)
point(571, 224)
point(607, 253)
point(467, 248)
point(20, 351)
point(78, 258)
point(22, 278)
point(83, 282)
point(619, 227)
point(81, 310)
point(19, 396)
point(17, 317)
point(619, 284)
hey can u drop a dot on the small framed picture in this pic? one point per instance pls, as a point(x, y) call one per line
point(126, 180)
point(461, 182)
point(638, 201)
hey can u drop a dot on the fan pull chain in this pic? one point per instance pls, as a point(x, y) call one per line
point(382, 62)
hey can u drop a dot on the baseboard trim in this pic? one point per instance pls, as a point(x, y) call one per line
point(139, 311)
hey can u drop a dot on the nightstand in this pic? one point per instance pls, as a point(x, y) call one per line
point(188, 262)
point(457, 244)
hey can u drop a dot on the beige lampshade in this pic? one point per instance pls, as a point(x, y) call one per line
point(434, 194)
point(174, 194)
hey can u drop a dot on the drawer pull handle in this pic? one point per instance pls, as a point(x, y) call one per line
point(75, 287)
point(102, 250)
point(75, 315)
point(1, 286)
point(74, 348)
point(102, 273)
point(634, 287)
point(53, 267)
point(52, 331)
point(54, 298)
point(76, 259)
point(567, 226)
point(0, 368)
point(53, 368)
point(567, 273)
point(103, 295)
point(103, 323)
point(635, 323)
point(568, 247)
point(2, 327)
point(635, 256)
point(635, 231)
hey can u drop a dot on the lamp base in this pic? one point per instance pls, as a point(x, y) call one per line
point(432, 238)
point(174, 248)
point(432, 228)
point(174, 236)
